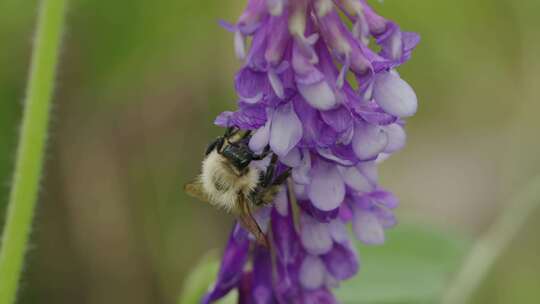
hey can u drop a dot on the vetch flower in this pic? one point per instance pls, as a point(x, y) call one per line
point(332, 108)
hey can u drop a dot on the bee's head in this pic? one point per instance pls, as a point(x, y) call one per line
point(238, 154)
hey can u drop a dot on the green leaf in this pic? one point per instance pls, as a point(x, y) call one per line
point(413, 266)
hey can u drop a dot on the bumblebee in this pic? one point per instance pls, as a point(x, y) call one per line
point(230, 181)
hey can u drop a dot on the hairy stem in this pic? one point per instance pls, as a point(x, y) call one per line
point(31, 148)
point(488, 248)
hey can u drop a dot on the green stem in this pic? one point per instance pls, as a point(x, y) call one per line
point(31, 147)
point(488, 248)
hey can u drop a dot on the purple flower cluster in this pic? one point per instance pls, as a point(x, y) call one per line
point(332, 108)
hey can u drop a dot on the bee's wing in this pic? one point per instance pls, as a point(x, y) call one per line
point(195, 190)
point(249, 223)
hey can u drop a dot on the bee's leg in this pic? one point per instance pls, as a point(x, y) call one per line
point(263, 155)
point(247, 134)
point(215, 144)
point(269, 174)
point(268, 187)
point(231, 131)
point(282, 177)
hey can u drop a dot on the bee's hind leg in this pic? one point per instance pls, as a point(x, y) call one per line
point(263, 155)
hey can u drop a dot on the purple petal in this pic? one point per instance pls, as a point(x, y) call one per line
point(251, 84)
point(286, 130)
point(327, 189)
point(232, 264)
point(244, 289)
point(386, 217)
point(315, 236)
point(285, 238)
point(312, 273)
point(369, 140)
point(345, 213)
point(410, 40)
point(248, 117)
point(318, 214)
point(341, 262)
point(385, 198)
point(278, 40)
point(346, 153)
point(339, 119)
point(227, 26)
point(373, 113)
point(262, 277)
point(223, 119)
point(315, 131)
point(394, 95)
point(319, 296)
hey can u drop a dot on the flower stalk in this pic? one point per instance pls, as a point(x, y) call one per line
point(331, 107)
point(31, 148)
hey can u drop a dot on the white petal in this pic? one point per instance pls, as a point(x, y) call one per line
point(253, 100)
point(368, 140)
point(382, 157)
point(300, 191)
point(262, 217)
point(239, 45)
point(312, 272)
point(275, 7)
point(396, 45)
point(286, 130)
point(327, 189)
point(396, 138)
point(338, 231)
point(319, 95)
point(315, 236)
point(328, 154)
point(293, 158)
point(367, 228)
point(369, 170)
point(260, 138)
point(276, 84)
point(354, 179)
point(394, 95)
point(281, 202)
point(300, 174)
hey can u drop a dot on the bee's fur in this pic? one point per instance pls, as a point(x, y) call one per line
point(222, 183)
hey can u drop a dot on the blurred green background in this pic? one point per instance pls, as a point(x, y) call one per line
point(140, 83)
